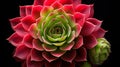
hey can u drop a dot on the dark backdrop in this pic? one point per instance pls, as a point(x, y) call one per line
point(10, 9)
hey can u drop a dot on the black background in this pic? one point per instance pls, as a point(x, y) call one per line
point(10, 9)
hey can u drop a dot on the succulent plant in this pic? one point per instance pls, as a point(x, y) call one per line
point(55, 33)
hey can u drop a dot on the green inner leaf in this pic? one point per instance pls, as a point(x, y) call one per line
point(59, 43)
point(55, 27)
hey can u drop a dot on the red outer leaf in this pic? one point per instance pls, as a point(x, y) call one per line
point(76, 2)
point(79, 18)
point(36, 55)
point(56, 5)
point(78, 43)
point(48, 57)
point(92, 10)
point(66, 1)
point(88, 28)
point(96, 22)
point(34, 63)
point(28, 10)
point(38, 2)
point(15, 39)
point(58, 53)
point(27, 40)
point(99, 33)
point(37, 45)
point(22, 11)
point(49, 2)
point(69, 56)
point(85, 9)
point(33, 30)
point(90, 41)
point(45, 11)
point(27, 21)
point(15, 21)
point(78, 30)
point(68, 9)
point(20, 30)
point(71, 17)
point(36, 11)
point(22, 52)
point(81, 55)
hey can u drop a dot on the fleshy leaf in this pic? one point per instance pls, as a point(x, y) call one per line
point(85, 9)
point(72, 37)
point(51, 39)
point(48, 47)
point(81, 55)
point(68, 9)
point(48, 57)
point(88, 28)
point(62, 38)
point(20, 30)
point(92, 10)
point(22, 52)
point(45, 40)
point(77, 2)
point(69, 56)
point(59, 44)
point(49, 2)
point(27, 40)
point(39, 36)
point(79, 18)
point(33, 30)
point(15, 21)
point(45, 11)
point(22, 11)
point(38, 2)
point(99, 33)
point(79, 42)
point(78, 30)
point(90, 41)
point(66, 47)
point(28, 10)
point(60, 11)
point(27, 21)
point(30, 63)
point(58, 53)
point(56, 5)
point(71, 20)
point(66, 1)
point(36, 11)
point(37, 45)
point(15, 39)
point(36, 55)
point(96, 22)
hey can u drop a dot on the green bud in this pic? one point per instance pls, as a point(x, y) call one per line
point(100, 52)
point(85, 64)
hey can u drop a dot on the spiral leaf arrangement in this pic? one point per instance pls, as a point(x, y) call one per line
point(58, 33)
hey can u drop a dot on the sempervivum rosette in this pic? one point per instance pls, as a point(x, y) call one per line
point(55, 33)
